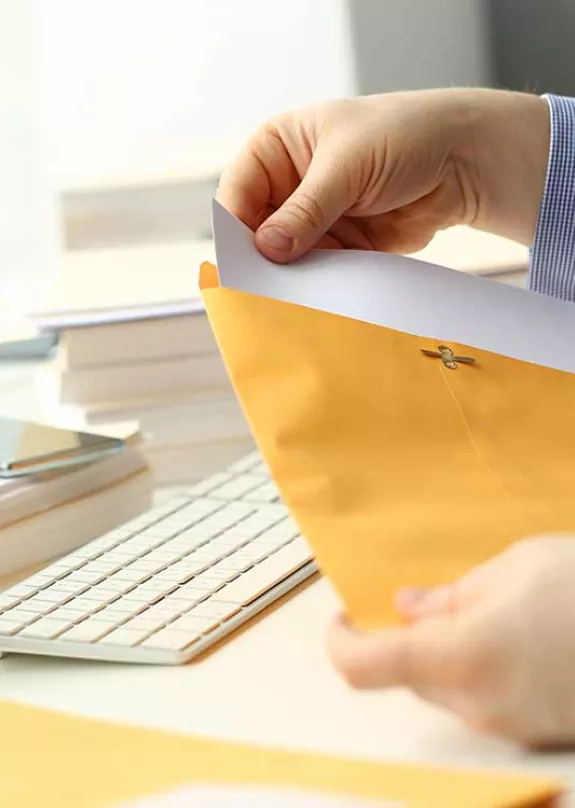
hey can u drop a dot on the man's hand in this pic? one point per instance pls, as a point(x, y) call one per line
point(497, 647)
point(385, 172)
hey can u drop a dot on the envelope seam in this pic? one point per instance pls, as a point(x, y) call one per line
point(472, 441)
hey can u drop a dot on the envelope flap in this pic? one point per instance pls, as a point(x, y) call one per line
point(404, 294)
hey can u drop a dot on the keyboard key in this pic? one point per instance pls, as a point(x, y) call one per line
point(152, 589)
point(45, 629)
point(144, 622)
point(130, 575)
point(206, 486)
point(233, 565)
point(147, 566)
point(125, 636)
point(283, 531)
point(197, 587)
point(265, 493)
point(236, 487)
point(252, 554)
point(113, 615)
point(86, 553)
point(64, 566)
point(247, 463)
point(180, 605)
point(39, 580)
point(260, 468)
point(207, 581)
point(21, 615)
point(270, 514)
point(169, 640)
point(194, 536)
point(171, 575)
point(109, 540)
point(69, 615)
point(21, 591)
point(85, 577)
point(217, 573)
point(90, 630)
point(114, 584)
point(128, 606)
point(205, 556)
point(102, 593)
point(71, 586)
point(102, 566)
point(85, 604)
point(7, 601)
point(162, 612)
point(54, 595)
point(9, 627)
point(142, 543)
point(229, 515)
point(194, 624)
point(191, 596)
point(36, 605)
point(154, 535)
point(263, 576)
point(214, 608)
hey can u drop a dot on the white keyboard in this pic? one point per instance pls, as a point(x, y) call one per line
point(164, 587)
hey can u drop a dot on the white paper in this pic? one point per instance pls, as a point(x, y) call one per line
point(241, 797)
point(404, 294)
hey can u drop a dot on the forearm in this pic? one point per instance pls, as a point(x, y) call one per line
point(507, 142)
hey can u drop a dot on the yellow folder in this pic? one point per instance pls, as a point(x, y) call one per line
point(51, 760)
point(416, 420)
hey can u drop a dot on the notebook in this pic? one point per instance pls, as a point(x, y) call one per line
point(115, 285)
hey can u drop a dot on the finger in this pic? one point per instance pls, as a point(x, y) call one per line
point(259, 179)
point(320, 199)
point(329, 242)
point(416, 603)
point(435, 653)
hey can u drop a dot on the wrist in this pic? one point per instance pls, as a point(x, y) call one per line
point(504, 138)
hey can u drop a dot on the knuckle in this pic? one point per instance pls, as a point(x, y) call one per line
point(306, 209)
point(266, 130)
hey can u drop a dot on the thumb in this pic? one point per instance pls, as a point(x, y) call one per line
point(307, 214)
point(435, 653)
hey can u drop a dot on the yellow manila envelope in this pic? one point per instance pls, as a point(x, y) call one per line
point(52, 760)
point(417, 420)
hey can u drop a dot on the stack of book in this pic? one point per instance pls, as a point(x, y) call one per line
point(45, 516)
point(134, 343)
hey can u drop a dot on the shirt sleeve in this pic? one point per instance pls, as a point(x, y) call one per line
point(552, 257)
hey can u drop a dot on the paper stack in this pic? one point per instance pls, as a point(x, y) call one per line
point(46, 516)
point(135, 344)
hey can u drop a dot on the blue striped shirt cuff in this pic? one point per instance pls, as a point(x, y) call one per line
point(552, 257)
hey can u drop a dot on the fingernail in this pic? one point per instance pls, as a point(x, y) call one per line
point(410, 598)
point(276, 237)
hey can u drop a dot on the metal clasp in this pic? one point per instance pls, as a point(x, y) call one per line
point(448, 358)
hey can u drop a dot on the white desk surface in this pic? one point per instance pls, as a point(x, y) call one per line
point(270, 684)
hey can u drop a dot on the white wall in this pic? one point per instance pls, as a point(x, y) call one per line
point(121, 72)
point(159, 75)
